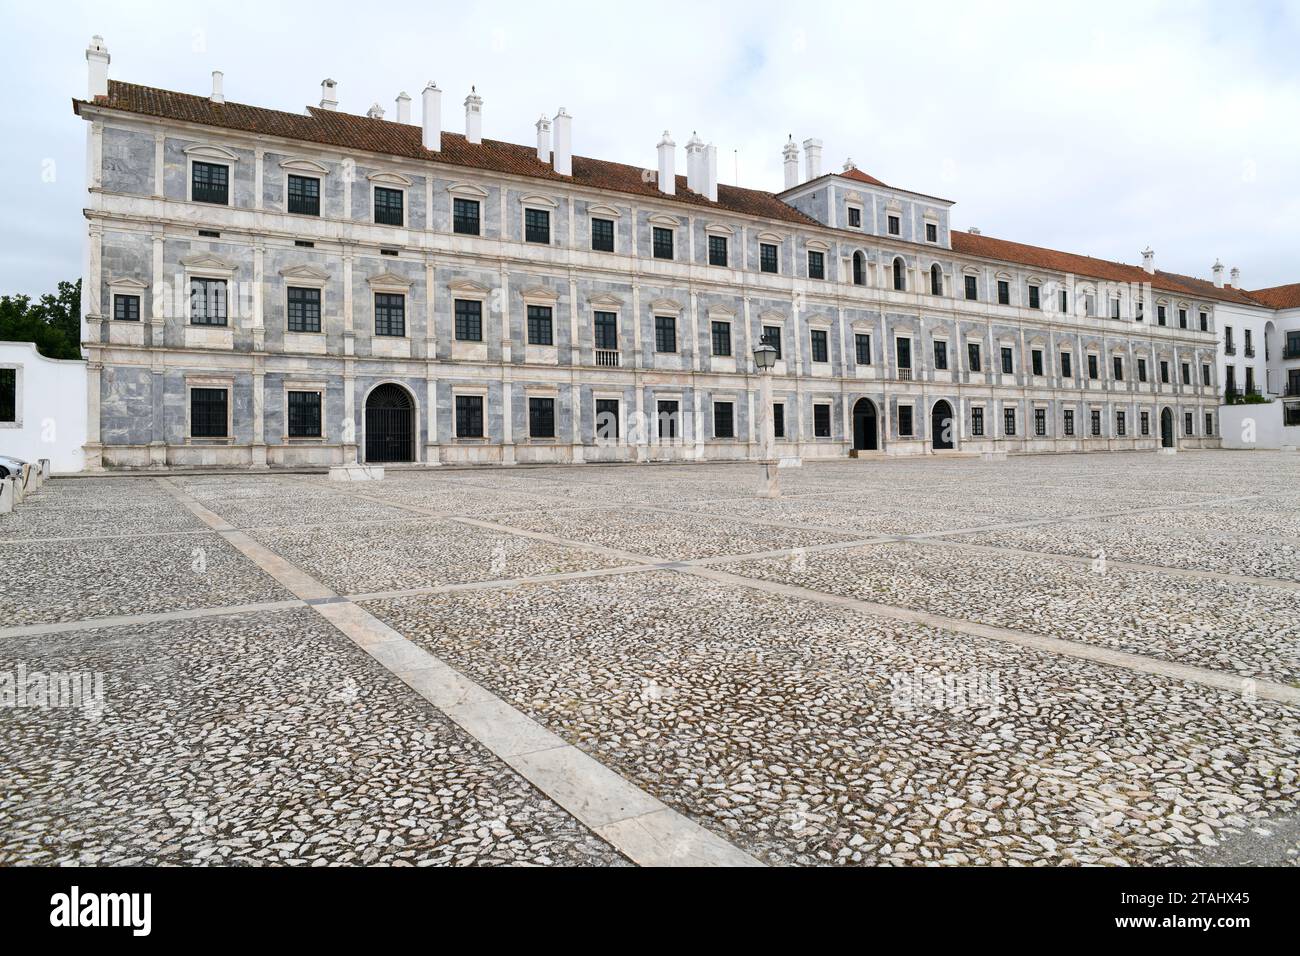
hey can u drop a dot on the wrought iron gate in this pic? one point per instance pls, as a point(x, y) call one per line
point(390, 425)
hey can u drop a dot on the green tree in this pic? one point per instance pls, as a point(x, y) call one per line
point(53, 322)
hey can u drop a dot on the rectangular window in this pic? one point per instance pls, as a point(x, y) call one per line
point(1164, 373)
point(465, 217)
point(1160, 315)
point(972, 289)
point(895, 226)
point(1121, 425)
point(905, 421)
point(668, 414)
point(1139, 311)
point(663, 243)
point(1094, 369)
point(1008, 421)
point(724, 420)
point(1209, 424)
point(1114, 308)
point(665, 333)
point(1187, 374)
point(303, 310)
point(1034, 302)
point(1205, 322)
point(1145, 423)
point(772, 337)
point(820, 349)
point(469, 320)
point(1142, 370)
point(1008, 361)
point(1118, 363)
point(1036, 361)
point(767, 258)
point(821, 421)
point(1004, 292)
point(537, 226)
point(602, 235)
point(1040, 422)
point(941, 355)
point(1205, 375)
point(541, 330)
point(209, 412)
point(1095, 422)
point(1291, 414)
point(607, 419)
point(208, 302)
point(304, 196)
point(541, 417)
point(210, 183)
point(862, 348)
point(469, 416)
point(1182, 318)
point(1065, 302)
point(126, 308)
point(8, 394)
point(388, 206)
point(717, 250)
point(1187, 424)
point(855, 217)
point(722, 338)
point(1069, 423)
point(904, 349)
point(973, 356)
point(606, 331)
point(778, 420)
point(1067, 370)
point(977, 422)
point(390, 314)
point(816, 265)
point(931, 232)
point(304, 415)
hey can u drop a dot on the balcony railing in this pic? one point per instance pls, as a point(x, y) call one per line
point(1230, 349)
point(1250, 351)
point(1291, 353)
point(607, 358)
point(904, 374)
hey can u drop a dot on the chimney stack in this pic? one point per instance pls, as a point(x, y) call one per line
point(432, 110)
point(791, 156)
point(1148, 261)
point(403, 108)
point(696, 165)
point(218, 87)
point(329, 95)
point(544, 139)
point(97, 67)
point(812, 153)
point(1217, 271)
point(849, 164)
point(563, 143)
point(711, 158)
point(1236, 277)
point(473, 117)
point(376, 111)
point(667, 165)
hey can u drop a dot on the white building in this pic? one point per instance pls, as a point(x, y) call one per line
point(42, 407)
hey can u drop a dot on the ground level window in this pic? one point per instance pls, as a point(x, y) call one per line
point(778, 420)
point(1040, 422)
point(607, 419)
point(1209, 424)
point(821, 421)
point(977, 422)
point(1188, 426)
point(669, 412)
point(724, 420)
point(1008, 421)
point(1145, 423)
point(541, 418)
point(209, 409)
point(8, 395)
point(1069, 423)
point(469, 416)
point(304, 415)
point(1121, 425)
point(1291, 414)
point(905, 420)
point(1095, 422)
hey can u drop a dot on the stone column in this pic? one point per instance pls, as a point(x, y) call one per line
point(259, 417)
point(94, 450)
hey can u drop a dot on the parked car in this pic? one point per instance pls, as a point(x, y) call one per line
point(10, 466)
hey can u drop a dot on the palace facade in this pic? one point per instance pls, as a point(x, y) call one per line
point(271, 289)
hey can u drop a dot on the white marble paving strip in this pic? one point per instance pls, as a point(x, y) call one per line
point(123, 620)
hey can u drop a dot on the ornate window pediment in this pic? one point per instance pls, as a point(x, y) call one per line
point(666, 221)
point(605, 212)
point(603, 300)
point(721, 312)
point(468, 287)
point(207, 151)
point(207, 262)
point(540, 294)
point(535, 200)
point(389, 280)
point(719, 229)
point(818, 245)
point(468, 189)
point(127, 284)
point(389, 179)
point(305, 275)
point(771, 318)
point(309, 166)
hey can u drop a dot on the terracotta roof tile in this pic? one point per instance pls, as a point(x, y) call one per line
point(1279, 296)
point(862, 177)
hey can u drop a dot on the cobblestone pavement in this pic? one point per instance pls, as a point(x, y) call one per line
point(1043, 661)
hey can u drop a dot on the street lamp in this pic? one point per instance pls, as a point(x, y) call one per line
point(764, 360)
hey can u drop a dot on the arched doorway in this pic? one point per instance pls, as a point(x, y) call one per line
point(390, 425)
point(1166, 429)
point(866, 433)
point(942, 426)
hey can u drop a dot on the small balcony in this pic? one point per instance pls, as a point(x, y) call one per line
point(607, 358)
point(1230, 349)
point(904, 374)
point(1250, 351)
point(1291, 352)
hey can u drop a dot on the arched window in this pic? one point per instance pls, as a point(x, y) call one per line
point(859, 269)
point(936, 280)
point(900, 279)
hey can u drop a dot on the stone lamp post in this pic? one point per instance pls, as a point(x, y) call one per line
point(764, 360)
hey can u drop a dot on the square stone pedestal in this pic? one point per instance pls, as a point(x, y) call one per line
point(356, 473)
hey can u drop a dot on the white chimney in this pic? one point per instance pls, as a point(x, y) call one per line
point(376, 111)
point(544, 139)
point(1148, 261)
point(711, 158)
point(849, 164)
point(329, 95)
point(1236, 277)
point(403, 107)
point(791, 155)
point(473, 117)
point(696, 165)
point(97, 67)
point(432, 117)
point(563, 143)
point(1218, 274)
point(974, 230)
point(218, 87)
point(667, 165)
point(812, 153)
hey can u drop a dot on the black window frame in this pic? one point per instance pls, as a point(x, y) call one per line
point(667, 411)
point(8, 395)
point(906, 421)
point(537, 226)
point(972, 289)
point(724, 420)
point(821, 420)
point(666, 333)
point(1094, 368)
point(302, 413)
point(721, 335)
point(1067, 365)
point(604, 330)
point(215, 310)
point(941, 355)
point(903, 351)
point(1009, 422)
point(718, 251)
point(1040, 423)
point(977, 421)
point(662, 242)
point(771, 335)
point(894, 225)
point(541, 416)
point(1121, 425)
point(302, 309)
point(302, 195)
point(602, 234)
point(389, 206)
point(931, 232)
point(206, 185)
point(973, 358)
point(1094, 422)
point(1008, 360)
point(769, 258)
point(855, 217)
point(467, 320)
point(1117, 367)
point(126, 307)
point(462, 222)
point(820, 346)
point(541, 325)
point(778, 419)
point(469, 416)
point(862, 348)
point(1035, 300)
point(1067, 422)
point(1036, 362)
point(209, 418)
point(1004, 292)
point(607, 410)
point(390, 314)
point(816, 264)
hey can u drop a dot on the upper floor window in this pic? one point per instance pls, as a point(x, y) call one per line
point(663, 243)
point(895, 226)
point(1094, 370)
point(1004, 292)
point(210, 183)
point(1205, 322)
point(1164, 372)
point(1142, 370)
point(1065, 302)
point(717, 250)
point(1036, 361)
point(1008, 360)
point(862, 348)
point(931, 232)
point(859, 269)
point(602, 235)
point(1182, 318)
point(767, 257)
point(940, 355)
point(208, 302)
point(1034, 302)
point(303, 313)
point(973, 356)
point(465, 217)
point(1066, 365)
point(537, 226)
point(936, 280)
point(855, 217)
point(904, 349)
point(772, 337)
point(1118, 363)
point(541, 329)
point(390, 314)
point(388, 206)
point(126, 308)
point(665, 333)
point(1161, 315)
point(972, 289)
point(304, 195)
point(469, 320)
point(606, 331)
point(722, 338)
point(816, 264)
point(1114, 308)
point(900, 275)
point(820, 348)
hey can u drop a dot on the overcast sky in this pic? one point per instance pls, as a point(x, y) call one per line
point(1096, 128)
